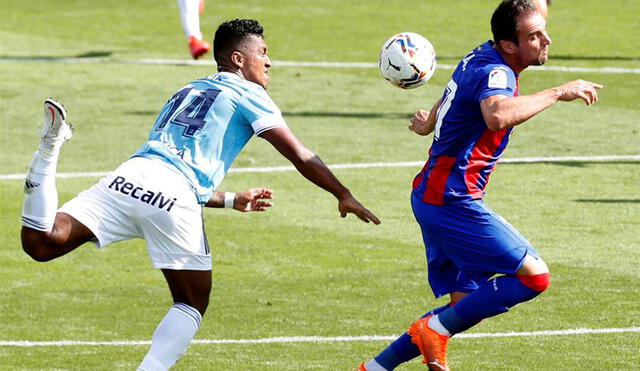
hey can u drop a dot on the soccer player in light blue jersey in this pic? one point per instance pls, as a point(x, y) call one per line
point(158, 194)
point(466, 242)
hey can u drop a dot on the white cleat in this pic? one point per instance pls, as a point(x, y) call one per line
point(55, 131)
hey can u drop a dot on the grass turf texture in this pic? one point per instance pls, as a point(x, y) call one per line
point(298, 269)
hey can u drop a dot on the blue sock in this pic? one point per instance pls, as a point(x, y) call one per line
point(402, 349)
point(494, 297)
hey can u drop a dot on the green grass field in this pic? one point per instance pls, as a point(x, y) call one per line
point(300, 270)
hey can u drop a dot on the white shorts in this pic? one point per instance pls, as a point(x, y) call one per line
point(149, 199)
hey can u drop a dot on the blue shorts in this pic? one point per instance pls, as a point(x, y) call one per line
point(467, 243)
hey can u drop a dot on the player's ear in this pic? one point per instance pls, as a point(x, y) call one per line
point(237, 58)
point(507, 46)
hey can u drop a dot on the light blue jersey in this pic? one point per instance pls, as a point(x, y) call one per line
point(203, 127)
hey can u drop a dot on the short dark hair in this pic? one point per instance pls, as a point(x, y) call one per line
point(504, 20)
point(231, 34)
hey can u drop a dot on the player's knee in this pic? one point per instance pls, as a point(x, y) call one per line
point(198, 301)
point(536, 282)
point(533, 265)
point(38, 253)
point(36, 246)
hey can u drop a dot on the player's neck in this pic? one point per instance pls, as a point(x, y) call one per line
point(511, 60)
point(234, 71)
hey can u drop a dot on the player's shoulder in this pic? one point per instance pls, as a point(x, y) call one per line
point(486, 58)
point(495, 72)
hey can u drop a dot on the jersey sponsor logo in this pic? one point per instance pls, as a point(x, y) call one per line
point(158, 200)
point(497, 79)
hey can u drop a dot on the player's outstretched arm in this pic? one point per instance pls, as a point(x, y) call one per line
point(423, 122)
point(252, 199)
point(312, 168)
point(502, 112)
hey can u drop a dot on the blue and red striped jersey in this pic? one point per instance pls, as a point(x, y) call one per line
point(464, 151)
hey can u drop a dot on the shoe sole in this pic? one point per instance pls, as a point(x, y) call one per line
point(58, 106)
point(54, 106)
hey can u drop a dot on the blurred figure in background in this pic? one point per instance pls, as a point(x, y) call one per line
point(543, 6)
point(190, 12)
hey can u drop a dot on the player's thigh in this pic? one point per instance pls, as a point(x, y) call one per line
point(444, 274)
point(476, 239)
point(106, 214)
point(169, 218)
point(177, 242)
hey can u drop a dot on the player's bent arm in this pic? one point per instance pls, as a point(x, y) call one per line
point(500, 111)
point(424, 122)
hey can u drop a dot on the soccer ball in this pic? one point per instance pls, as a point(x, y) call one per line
point(407, 60)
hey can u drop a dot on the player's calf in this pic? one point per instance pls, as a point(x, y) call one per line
point(496, 296)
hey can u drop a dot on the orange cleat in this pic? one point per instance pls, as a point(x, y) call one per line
point(432, 345)
point(198, 47)
point(361, 367)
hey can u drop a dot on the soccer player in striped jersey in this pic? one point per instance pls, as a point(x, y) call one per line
point(158, 194)
point(466, 242)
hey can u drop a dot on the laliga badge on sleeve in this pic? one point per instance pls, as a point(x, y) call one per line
point(498, 79)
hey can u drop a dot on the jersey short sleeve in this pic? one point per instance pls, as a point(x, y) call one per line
point(260, 111)
point(495, 79)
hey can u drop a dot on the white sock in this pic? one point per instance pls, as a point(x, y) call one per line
point(374, 366)
point(190, 17)
point(171, 338)
point(40, 194)
point(436, 325)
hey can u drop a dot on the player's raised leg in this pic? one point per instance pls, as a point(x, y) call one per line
point(496, 296)
point(45, 233)
point(190, 291)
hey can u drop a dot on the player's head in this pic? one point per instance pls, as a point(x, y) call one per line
point(239, 46)
point(519, 31)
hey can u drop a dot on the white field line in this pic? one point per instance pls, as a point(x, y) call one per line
point(182, 62)
point(366, 165)
point(320, 339)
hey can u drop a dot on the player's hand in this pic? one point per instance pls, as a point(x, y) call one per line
point(253, 200)
point(351, 205)
point(419, 123)
point(581, 89)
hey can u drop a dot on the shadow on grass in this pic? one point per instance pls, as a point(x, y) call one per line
point(143, 113)
point(568, 57)
point(95, 54)
point(608, 200)
point(90, 54)
point(577, 164)
point(593, 58)
point(360, 115)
